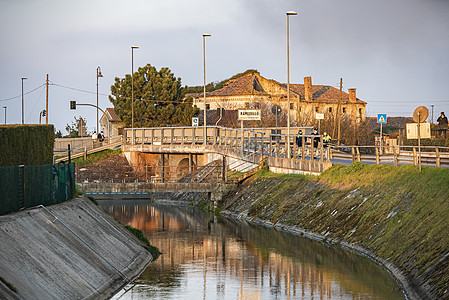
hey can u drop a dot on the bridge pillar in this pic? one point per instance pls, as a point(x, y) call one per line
point(214, 198)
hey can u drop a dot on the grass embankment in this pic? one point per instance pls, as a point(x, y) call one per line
point(95, 157)
point(398, 213)
point(141, 236)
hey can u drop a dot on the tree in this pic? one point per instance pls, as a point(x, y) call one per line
point(73, 129)
point(158, 99)
point(58, 134)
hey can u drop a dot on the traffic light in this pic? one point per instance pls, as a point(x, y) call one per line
point(44, 112)
point(72, 104)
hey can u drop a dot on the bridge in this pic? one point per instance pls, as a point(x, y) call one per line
point(174, 159)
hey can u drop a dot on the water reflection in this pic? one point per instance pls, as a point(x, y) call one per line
point(218, 258)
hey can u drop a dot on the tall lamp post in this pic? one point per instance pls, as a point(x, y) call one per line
point(204, 72)
point(289, 13)
point(132, 90)
point(23, 78)
point(98, 76)
point(5, 113)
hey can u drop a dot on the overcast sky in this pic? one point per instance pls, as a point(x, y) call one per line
point(395, 52)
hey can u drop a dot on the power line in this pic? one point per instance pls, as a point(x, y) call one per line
point(12, 98)
point(129, 98)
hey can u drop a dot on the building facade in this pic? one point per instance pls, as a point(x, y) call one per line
point(253, 90)
point(111, 124)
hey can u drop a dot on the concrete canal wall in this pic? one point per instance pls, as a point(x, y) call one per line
point(72, 250)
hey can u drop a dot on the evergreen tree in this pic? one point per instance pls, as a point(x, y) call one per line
point(158, 99)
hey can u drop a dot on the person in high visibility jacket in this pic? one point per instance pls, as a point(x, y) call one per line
point(326, 139)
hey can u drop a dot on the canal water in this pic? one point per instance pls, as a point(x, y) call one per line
point(209, 257)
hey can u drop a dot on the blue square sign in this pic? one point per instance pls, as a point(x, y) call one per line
point(382, 118)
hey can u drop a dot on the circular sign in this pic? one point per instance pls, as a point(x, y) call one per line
point(276, 109)
point(420, 114)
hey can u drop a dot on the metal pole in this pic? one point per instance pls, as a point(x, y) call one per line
point(22, 101)
point(419, 141)
point(98, 75)
point(380, 138)
point(204, 78)
point(46, 103)
point(288, 82)
point(5, 113)
point(432, 114)
point(132, 92)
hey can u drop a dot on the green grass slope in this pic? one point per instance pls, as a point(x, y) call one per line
point(399, 214)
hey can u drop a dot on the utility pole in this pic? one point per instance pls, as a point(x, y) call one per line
point(46, 104)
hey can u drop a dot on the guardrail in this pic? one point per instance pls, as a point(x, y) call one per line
point(85, 150)
point(247, 141)
point(82, 144)
point(430, 155)
point(266, 143)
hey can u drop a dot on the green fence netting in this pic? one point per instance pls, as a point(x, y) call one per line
point(29, 186)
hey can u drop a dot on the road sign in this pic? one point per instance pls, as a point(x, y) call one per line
point(382, 118)
point(276, 109)
point(420, 114)
point(249, 114)
point(195, 121)
point(412, 130)
point(319, 116)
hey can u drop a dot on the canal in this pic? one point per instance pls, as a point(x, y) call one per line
point(209, 257)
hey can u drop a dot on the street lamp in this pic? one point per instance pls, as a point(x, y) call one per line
point(22, 98)
point(5, 113)
point(289, 13)
point(204, 72)
point(98, 75)
point(132, 90)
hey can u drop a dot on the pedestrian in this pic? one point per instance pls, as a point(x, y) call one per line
point(299, 138)
point(326, 139)
point(101, 136)
point(94, 136)
point(316, 139)
point(442, 120)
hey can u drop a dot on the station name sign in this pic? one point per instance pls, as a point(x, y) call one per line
point(249, 114)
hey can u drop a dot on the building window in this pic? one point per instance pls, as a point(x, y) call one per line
point(291, 105)
point(344, 110)
point(207, 106)
point(330, 109)
point(316, 109)
point(360, 111)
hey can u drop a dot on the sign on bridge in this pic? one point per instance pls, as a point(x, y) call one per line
point(249, 114)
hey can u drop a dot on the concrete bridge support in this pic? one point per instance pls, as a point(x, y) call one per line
point(215, 198)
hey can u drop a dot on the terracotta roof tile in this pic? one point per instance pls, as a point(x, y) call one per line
point(113, 116)
point(249, 85)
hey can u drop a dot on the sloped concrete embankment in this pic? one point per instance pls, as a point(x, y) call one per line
point(388, 221)
point(72, 250)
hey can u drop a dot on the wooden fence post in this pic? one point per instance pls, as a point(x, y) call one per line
point(353, 154)
point(437, 157)
point(377, 156)
point(415, 157)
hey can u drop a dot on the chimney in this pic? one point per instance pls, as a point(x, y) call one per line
point(352, 96)
point(308, 88)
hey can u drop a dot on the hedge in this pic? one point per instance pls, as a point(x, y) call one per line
point(26, 145)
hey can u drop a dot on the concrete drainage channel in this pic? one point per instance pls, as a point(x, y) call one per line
point(72, 250)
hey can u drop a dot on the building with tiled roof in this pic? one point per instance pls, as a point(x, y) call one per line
point(111, 124)
point(306, 99)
